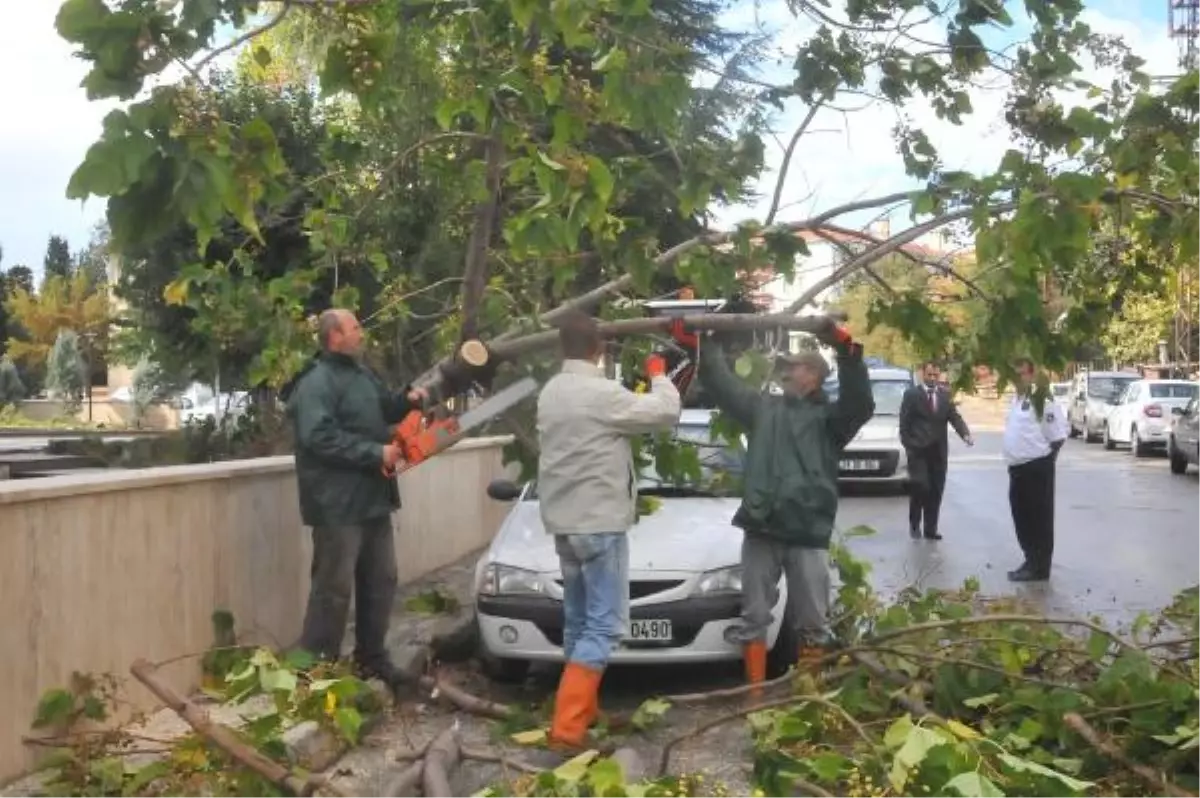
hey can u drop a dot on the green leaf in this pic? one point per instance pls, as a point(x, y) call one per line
point(548, 161)
point(94, 708)
point(349, 721)
point(972, 784)
point(144, 776)
point(298, 659)
point(277, 680)
point(828, 767)
point(605, 777)
point(262, 56)
point(1024, 765)
point(446, 111)
point(649, 712)
point(600, 179)
point(1097, 646)
point(55, 706)
point(860, 531)
point(980, 701)
point(744, 365)
point(531, 737)
point(574, 769)
point(898, 732)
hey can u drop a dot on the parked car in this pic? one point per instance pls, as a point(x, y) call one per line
point(1183, 443)
point(1091, 398)
point(1060, 391)
point(875, 455)
point(1141, 416)
point(684, 573)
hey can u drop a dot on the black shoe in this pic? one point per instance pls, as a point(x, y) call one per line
point(1027, 573)
point(932, 535)
point(399, 682)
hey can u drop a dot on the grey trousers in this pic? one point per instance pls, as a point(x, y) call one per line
point(808, 586)
point(356, 560)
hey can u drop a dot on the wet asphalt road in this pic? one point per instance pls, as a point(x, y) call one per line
point(1127, 539)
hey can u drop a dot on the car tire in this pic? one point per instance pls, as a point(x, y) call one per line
point(1088, 437)
point(1179, 463)
point(503, 670)
point(1109, 443)
point(1136, 447)
point(1074, 431)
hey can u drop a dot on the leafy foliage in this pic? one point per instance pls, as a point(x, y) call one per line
point(93, 763)
point(62, 304)
point(12, 390)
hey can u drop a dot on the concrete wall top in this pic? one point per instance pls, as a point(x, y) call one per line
point(18, 491)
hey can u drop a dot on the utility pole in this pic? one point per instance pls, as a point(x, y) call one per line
point(1184, 22)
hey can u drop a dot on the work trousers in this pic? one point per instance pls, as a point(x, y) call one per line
point(1031, 499)
point(356, 560)
point(595, 571)
point(927, 478)
point(806, 570)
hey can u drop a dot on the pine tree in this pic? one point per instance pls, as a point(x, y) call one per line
point(12, 390)
point(65, 371)
point(58, 259)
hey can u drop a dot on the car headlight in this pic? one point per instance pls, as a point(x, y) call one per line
point(720, 581)
point(501, 580)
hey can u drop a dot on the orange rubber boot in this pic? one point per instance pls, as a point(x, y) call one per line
point(575, 705)
point(754, 655)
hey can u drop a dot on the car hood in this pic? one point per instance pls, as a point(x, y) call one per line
point(683, 534)
point(880, 429)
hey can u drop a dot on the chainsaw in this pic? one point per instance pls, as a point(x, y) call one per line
point(420, 436)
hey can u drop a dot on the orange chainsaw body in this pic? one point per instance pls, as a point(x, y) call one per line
point(420, 437)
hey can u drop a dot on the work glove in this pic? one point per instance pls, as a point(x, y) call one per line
point(688, 339)
point(835, 335)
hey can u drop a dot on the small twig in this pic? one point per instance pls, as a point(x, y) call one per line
point(61, 741)
point(968, 663)
point(1109, 749)
point(665, 759)
point(975, 620)
point(1181, 641)
point(460, 698)
point(1121, 710)
point(486, 756)
point(240, 40)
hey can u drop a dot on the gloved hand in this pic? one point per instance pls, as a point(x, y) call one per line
point(656, 366)
point(835, 335)
point(686, 338)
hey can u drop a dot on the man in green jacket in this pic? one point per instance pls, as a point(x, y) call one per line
point(342, 417)
point(790, 496)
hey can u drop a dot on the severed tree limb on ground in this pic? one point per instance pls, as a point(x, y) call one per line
point(441, 759)
point(443, 690)
point(224, 738)
point(1110, 749)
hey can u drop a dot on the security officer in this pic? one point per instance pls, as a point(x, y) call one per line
point(1031, 444)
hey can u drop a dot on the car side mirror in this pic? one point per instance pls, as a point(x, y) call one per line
point(503, 490)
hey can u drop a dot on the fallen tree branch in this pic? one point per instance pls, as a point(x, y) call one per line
point(224, 738)
point(441, 759)
point(920, 656)
point(405, 783)
point(478, 755)
point(975, 620)
point(664, 762)
point(456, 696)
point(1112, 751)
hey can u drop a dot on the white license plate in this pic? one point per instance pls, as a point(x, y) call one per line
point(859, 465)
point(650, 630)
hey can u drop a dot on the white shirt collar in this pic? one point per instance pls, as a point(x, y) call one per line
point(582, 367)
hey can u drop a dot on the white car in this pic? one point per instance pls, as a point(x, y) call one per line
point(684, 575)
point(1141, 416)
point(875, 455)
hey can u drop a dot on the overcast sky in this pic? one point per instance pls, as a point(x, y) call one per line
point(49, 124)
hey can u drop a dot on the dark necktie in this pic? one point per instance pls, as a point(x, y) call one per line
point(932, 401)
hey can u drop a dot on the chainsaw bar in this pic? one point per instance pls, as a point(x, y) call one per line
point(497, 403)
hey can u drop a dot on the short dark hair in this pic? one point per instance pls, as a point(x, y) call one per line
point(927, 363)
point(579, 335)
point(1022, 362)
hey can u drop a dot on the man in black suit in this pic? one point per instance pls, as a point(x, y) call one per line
point(925, 411)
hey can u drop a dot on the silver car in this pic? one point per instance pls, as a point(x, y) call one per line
point(1090, 401)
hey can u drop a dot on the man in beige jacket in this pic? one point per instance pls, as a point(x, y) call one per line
point(587, 488)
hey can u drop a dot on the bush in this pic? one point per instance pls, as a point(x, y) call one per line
point(144, 389)
point(65, 371)
point(12, 389)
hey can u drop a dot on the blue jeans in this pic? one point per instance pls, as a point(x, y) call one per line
point(595, 571)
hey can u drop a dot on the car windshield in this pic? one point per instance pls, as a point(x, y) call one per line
point(1170, 390)
point(888, 394)
point(720, 468)
point(1107, 387)
point(1059, 389)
